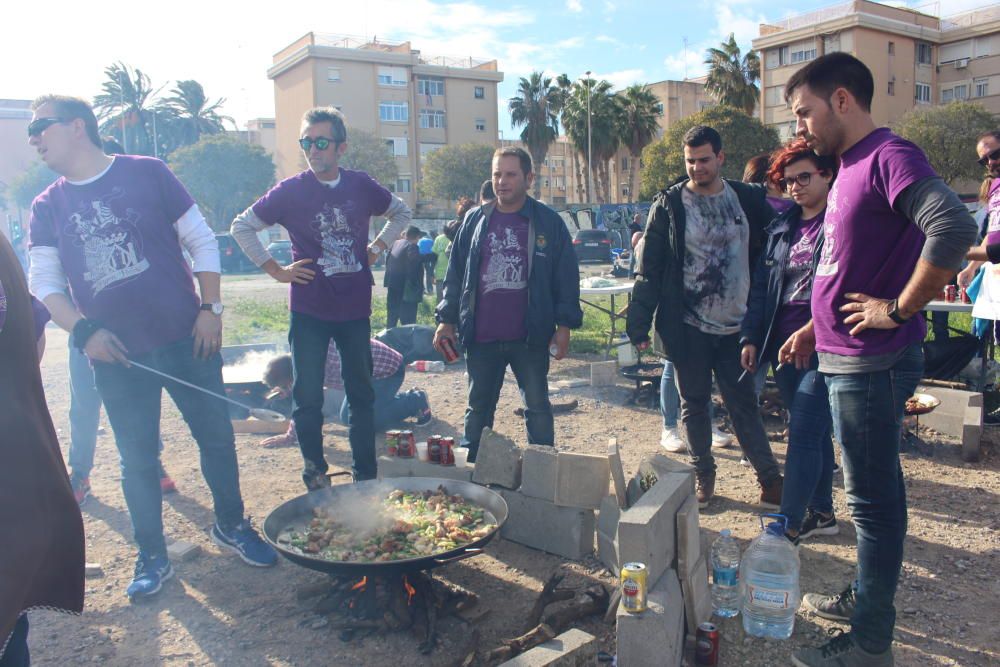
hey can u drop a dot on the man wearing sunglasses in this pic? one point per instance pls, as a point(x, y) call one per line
point(326, 210)
point(114, 229)
point(988, 150)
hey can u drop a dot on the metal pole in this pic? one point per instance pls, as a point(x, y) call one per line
point(590, 168)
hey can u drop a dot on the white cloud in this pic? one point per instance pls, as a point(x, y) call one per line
point(574, 6)
point(731, 16)
point(622, 78)
point(569, 43)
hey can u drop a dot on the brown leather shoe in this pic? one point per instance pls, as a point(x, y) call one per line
point(704, 488)
point(770, 494)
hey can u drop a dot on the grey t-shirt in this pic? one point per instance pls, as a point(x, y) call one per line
point(716, 261)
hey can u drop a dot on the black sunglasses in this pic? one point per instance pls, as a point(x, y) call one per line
point(989, 157)
point(802, 179)
point(39, 125)
point(321, 143)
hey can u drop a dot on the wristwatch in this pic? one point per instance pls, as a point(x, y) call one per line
point(214, 308)
point(375, 249)
point(894, 313)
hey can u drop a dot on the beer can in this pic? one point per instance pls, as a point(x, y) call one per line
point(964, 295)
point(434, 449)
point(447, 455)
point(950, 293)
point(706, 648)
point(392, 443)
point(448, 350)
point(634, 587)
point(407, 445)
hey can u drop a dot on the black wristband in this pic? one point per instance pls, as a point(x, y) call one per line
point(83, 330)
point(894, 313)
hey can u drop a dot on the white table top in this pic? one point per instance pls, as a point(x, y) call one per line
point(620, 288)
point(949, 307)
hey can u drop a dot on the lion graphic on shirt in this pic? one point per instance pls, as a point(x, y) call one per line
point(112, 245)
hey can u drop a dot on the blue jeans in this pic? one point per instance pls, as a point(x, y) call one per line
point(487, 363)
point(670, 400)
point(309, 339)
point(809, 461)
point(390, 407)
point(16, 654)
point(867, 418)
point(132, 399)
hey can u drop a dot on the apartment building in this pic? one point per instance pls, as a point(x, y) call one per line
point(262, 132)
point(914, 57)
point(16, 156)
point(417, 103)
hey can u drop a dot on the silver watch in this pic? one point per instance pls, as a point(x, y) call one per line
point(215, 308)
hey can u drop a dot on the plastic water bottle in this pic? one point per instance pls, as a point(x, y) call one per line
point(770, 575)
point(427, 366)
point(725, 559)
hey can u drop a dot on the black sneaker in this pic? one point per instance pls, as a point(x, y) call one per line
point(838, 608)
point(841, 651)
point(314, 478)
point(817, 524)
point(424, 413)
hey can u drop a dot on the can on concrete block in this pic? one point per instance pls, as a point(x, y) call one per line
point(634, 582)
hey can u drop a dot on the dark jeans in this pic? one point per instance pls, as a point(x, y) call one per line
point(132, 399)
point(867, 418)
point(809, 461)
point(390, 407)
point(309, 339)
point(701, 355)
point(399, 311)
point(16, 654)
point(487, 363)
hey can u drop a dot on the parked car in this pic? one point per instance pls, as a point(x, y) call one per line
point(281, 251)
point(593, 245)
point(233, 259)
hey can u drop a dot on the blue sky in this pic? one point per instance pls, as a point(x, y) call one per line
point(228, 46)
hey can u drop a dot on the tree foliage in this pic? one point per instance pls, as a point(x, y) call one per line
point(372, 155)
point(947, 134)
point(732, 77)
point(456, 171)
point(192, 113)
point(224, 175)
point(30, 183)
point(742, 138)
point(639, 124)
point(535, 107)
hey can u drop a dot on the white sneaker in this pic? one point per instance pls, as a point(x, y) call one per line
point(720, 439)
point(671, 440)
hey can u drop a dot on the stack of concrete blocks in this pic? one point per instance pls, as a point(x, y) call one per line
point(603, 373)
point(573, 648)
point(552, 498)
point(660, 529)
point(960, 415)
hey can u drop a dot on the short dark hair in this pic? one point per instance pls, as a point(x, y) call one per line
point(71, 108)
point(993, 134)
point(414, 232)
point(486, 191)
point(278, 371)
point(699, 135)
point(519, 153)
point(756, 168)
point(835, 70)
point(328, 115)
point(111, 146)
point(464, 204)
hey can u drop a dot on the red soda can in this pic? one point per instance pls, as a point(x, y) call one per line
point(950, 293)
point(706, 648)
point(434, 449)
point(392, 443)
point(407, 445)
point(447, 456)
point(964, 295)
point(448, 350)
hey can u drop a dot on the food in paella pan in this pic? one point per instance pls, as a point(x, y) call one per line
point(406, 524)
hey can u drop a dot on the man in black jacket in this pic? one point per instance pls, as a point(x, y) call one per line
point(702, 237)
point(404, 279)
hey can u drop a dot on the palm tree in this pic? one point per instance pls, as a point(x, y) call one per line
point(536, 106)
point(732, 79)
point(192, 112)
point(574, 122)
point(605, 134)
point(640, 111)
point(122, 108)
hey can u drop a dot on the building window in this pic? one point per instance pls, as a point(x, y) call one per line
point(391, 76)
point(333, 74)
point(393, 112)
point(892, 88)
point(430, 87)
point(923, 93)
point(892, 48)
point(559, 182)
point(431, 118)
point(923, 53)
point(479, 92)
point(982, 87)
point(774, 96)
point(557, 163)
point(625, 190)
point(777, 57)
point(480, 124)
point(427, 149)
point(659, 108)
point(403, 184)
point(397, 145)
point(803, 55)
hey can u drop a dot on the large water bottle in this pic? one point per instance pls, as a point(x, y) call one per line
point(725, 560)
point(770, 576)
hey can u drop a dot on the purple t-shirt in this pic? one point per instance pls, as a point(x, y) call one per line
point(868, 247)
point(502, 293)
point(119, 249)
point(993, 211)
point(793, 310)
point(329, 226)
point(780, 204)
point(39, 313)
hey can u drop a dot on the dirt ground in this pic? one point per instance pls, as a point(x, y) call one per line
point(217, 611)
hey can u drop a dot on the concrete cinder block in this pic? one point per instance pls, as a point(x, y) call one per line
point(538, 472)
point(564, 531)
point(607, 533)
point(573, 648)
point(498, 461)
point(647, 530)
point(617, 473)
point(393, 466)
point(656, 636)
point(420, 468)
point(582, 480)
point(697, 596)
point(688, 537)
point(181, 551)
point(603, 373)
point(657, 464)
point(972, 433)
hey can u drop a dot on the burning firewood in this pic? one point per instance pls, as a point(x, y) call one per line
point(518, 645)
point(548, 595)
